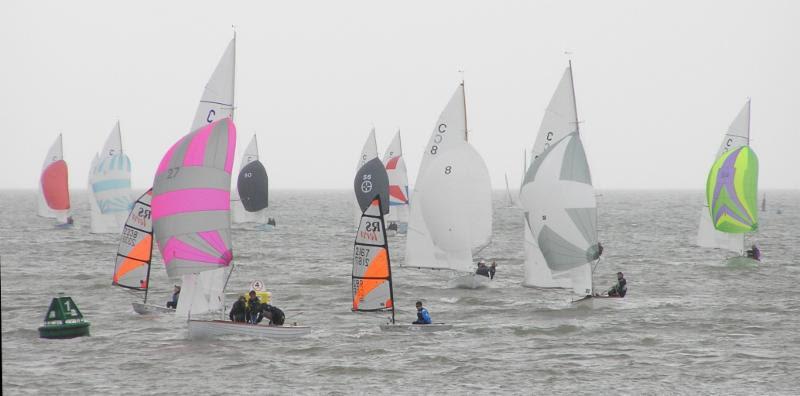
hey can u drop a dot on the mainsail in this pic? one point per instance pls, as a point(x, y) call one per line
point(398, 181)
point(191, 201)
point(53, 198)
point(737, 135)
point(217, 100)
point(371, 179)
point(452, 187)
point(110, 186)
point(368, 152)
point(135, 251)
point(559, 202)
point(251, 197)
point(372, 273)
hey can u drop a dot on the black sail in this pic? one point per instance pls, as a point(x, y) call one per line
point(252, 186)
point(372, 180)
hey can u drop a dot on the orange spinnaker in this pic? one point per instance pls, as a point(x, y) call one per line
point(55, 185)
point(141, 252)
point(378, 268)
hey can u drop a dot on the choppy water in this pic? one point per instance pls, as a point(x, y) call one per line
point(690, 324)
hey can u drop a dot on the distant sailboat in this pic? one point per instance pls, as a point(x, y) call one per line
point(368, 152)
point(732, 188)
point(559, 201)
point(110, 186)
point(53, 198)
point(398, 186)
point(764, 203)
point(738, 135)
point(451, 208)
point(251, 197)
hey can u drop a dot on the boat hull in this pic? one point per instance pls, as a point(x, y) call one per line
point(742, 262)
point(150, 309)
point(217, 328)
point(412, 328)
point(469, 281)
point(590, 302)
point(66, 330)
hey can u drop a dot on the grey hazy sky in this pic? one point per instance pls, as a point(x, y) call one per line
point(657, 83)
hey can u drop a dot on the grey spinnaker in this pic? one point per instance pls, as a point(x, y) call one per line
point(372, 180)
point(252, 185)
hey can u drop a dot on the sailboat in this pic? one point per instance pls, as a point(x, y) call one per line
point(110, 186)
point(559, 201)
point(764, 203)
point(398, 187)
point(251, 197)
point(368, 152)
point(744, 197)
point(451, 208)
point(732, 189)
point(135, 254)
point(53, 197)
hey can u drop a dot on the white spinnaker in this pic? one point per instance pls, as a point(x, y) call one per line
point(450, 131)
point(238, 213)
point(109, 186)
point(217, 100)
point(398, 176)
point(738, 135)
point(56, 153)
point(456, 199)
point(560, 119)
point(201, 293)
point(368, 152)
point(563, 211)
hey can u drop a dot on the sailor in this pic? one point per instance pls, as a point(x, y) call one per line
point(492, 269)
point(176, 293)
point(271, 221)
point(620, 288)
point(423, 317)
point(754, 253)
point(482, 270)
point(392, 227)
point(273, 313)
point(238, 310)
point(252, 312)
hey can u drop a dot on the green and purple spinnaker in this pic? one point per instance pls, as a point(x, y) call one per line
point(732, 191)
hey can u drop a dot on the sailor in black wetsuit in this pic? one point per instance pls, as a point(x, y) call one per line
point(620, 288)
point(482, 270)
point(238, 310)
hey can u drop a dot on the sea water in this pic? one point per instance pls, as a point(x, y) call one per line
point(690, 323)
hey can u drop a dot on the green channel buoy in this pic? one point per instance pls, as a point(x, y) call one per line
point(63, 320)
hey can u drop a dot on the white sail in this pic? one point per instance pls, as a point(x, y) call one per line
point(737, 135)
point(217, 100)
point(238, 212)
point(559, 202)
point(451, 209)
point(398, 181)
point(201, 293)
point(110, 186)
point(368, 152)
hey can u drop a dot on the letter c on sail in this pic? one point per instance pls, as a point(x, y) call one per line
point(442, 128)
point(211, 114)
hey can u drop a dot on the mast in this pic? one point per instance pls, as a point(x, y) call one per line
point(233, 105)
point(574, 98)
point(748, 121)
point(388, 258)
point(147, 279)
point(464, 96)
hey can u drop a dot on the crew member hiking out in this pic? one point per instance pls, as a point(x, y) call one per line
point(423, 317)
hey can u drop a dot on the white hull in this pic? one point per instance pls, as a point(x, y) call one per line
point(591, 302)
point(742, 261)
point(469, 281)
point(412, 328)
point(150, 309)
point(216, 328)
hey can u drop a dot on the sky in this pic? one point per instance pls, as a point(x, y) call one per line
point(657, 83)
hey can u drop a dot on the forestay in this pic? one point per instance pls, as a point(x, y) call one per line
point(368, 152)
point(372, 276)
point(191, 200)
point(398, 181)
point(218, 95)
point(135, 249)
point(53, 199)
point(110, 186)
